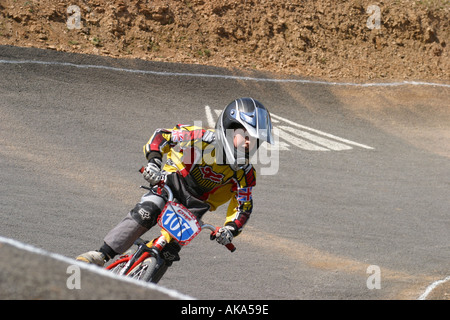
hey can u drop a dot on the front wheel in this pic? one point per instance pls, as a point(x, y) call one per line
point(154, 270)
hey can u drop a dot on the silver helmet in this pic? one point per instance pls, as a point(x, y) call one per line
point(253, 118)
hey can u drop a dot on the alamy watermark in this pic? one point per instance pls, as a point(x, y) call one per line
point(374, 21)
point(266, 157)
point(374, 280)
point(74, 19)
point(74, 280)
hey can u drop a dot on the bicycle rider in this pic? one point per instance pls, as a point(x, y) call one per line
point(206, 169)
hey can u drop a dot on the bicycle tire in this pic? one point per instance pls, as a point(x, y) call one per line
point(119, 264)
point(137, 272)
point(154, 271)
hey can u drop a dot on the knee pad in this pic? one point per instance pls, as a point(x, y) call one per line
point(146, 214)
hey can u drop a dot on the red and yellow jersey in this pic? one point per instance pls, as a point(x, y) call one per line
point(190, 152)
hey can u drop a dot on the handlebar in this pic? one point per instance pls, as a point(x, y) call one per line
point(161, 185)
point(213, 229)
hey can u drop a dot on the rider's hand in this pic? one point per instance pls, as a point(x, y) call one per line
point(225, 235)
point(152, 173)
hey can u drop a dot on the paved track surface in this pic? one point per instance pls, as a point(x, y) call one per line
point(71, 142)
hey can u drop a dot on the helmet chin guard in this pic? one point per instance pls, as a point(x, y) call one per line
point(253, 118)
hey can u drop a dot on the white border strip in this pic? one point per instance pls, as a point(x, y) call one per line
point(95, 269)
point(431, 287)
point(218, 76)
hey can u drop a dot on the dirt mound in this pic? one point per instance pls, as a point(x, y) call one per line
point(355, 39)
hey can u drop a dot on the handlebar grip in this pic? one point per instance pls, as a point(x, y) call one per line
point(231, 247)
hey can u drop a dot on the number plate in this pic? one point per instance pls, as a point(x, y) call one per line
point(179, 222)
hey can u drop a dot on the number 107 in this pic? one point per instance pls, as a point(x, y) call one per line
point(172, 221)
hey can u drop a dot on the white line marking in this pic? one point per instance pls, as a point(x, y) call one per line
point(218, 76)
point(432, 286)
point(321, 132)
point(333, 145)
point(209, 117)
point(280, 146)
point(92, 268)
point(300, 143)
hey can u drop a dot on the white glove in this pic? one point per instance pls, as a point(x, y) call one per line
point(225, 235)
point(152, 173)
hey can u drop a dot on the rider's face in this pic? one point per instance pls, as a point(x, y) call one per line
point(243, 141)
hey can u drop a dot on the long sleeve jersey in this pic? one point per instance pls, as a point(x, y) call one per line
point(191, 153)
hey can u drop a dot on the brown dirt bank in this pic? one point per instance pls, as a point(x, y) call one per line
point(336, 40)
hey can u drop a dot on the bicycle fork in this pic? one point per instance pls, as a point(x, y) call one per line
point(144, 251)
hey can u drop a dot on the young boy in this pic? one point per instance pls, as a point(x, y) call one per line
point(206, 169)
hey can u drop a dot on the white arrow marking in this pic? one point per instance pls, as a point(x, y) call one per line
point(292, 135)
point(321, 132)
point(302, 144)
point(333, 145)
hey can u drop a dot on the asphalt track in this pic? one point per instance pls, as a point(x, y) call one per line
point(324, 222)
